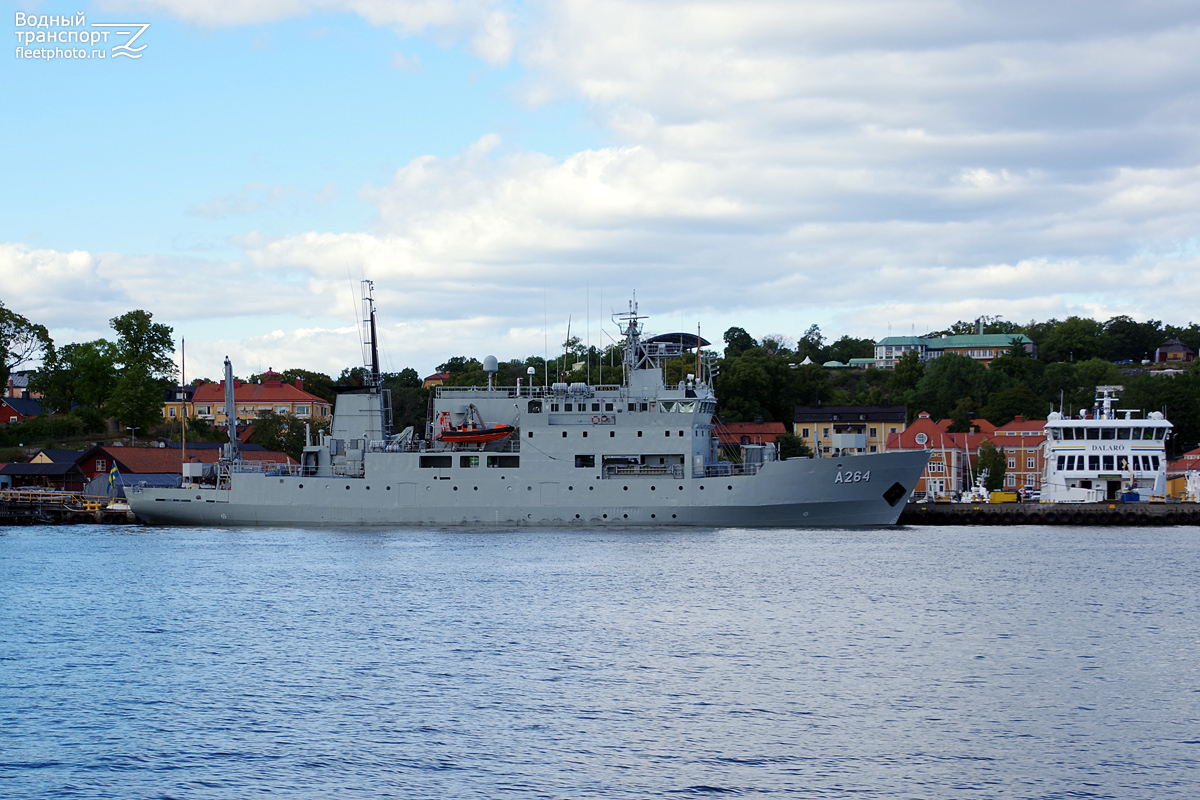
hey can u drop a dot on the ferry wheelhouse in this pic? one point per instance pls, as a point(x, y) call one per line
point(1107, 454)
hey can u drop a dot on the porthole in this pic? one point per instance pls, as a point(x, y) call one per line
point(576, 516)
point(652, 488)
point(625, 488)
point(477, 488)
point(368, 488)
point(456, 488)
point(347, 487)
point(606, 516)
point(702, 487)
point(570, 488)
point(673, 516)
point(591, 488)
point(626, 516)
point(652, 516)
point(730, 487)
point(301, 486)
point(389, 488)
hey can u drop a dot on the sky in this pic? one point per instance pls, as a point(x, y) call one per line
point(503, 170)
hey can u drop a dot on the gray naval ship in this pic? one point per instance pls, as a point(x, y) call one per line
point(639, 454)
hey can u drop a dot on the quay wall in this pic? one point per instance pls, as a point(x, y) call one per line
point(1089, 514)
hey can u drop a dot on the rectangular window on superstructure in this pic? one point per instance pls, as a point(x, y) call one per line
point(1155, 462)
point(1123, 433)
point(585, 461)
point(1062, 463)
point(1109, 464)
point(1093, 463)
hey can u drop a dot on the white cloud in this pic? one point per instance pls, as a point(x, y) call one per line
point(771, 164)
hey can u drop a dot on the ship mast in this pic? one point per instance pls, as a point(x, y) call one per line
point(370, 336)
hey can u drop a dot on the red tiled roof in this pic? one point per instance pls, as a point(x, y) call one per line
point(758, 432)
point(265, 392)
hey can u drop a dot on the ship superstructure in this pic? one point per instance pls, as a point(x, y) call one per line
point(642, 453)
point(1105, 454)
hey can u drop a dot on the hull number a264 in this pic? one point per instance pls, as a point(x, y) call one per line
point(852, 477)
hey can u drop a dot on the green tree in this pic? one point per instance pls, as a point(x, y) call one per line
point(792, 446)
point(737, 341)
point(317, 383)
point(1005, 405)
point(21, 341)
point(848, 347)
point(143, 350)
point(950, 378)
point(285, 433)
point(909, 370)
point(77, 375)
point(995, 462)
point(1073, 339)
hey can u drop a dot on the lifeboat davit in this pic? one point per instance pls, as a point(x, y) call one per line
point(473, 435)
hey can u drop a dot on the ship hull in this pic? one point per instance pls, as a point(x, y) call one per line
point(865, 490)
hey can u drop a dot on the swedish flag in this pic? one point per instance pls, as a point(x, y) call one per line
point(112, 477)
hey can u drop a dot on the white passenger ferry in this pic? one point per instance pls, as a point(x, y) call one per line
point(1105, 454)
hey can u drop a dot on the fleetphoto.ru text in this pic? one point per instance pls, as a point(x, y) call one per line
point(50, 32)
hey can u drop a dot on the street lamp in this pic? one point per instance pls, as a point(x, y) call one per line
point(133, 436)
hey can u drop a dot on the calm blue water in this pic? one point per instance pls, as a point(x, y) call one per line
point(912, 663)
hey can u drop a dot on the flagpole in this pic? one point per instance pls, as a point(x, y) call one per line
point(183, 404)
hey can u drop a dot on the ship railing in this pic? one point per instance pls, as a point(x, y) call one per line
point(531, 392)
point(724, 469)
point(266, 467)
point(643, 470)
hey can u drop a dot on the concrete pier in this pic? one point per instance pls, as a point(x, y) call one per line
point(1089, 514)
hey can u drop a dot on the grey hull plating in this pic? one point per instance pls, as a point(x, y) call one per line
point(795, 493)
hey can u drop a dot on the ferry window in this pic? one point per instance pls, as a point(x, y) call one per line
point(1123, 464)
point(1062, 462)
point(595, 406)
point(1160, 433)
point(1108, 433)
point(1123, 433)
point(535, 407)
point(1094, 463)
point(1093, 433)
point(1109, 464)
point(585, 461)
point(1154, 461)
